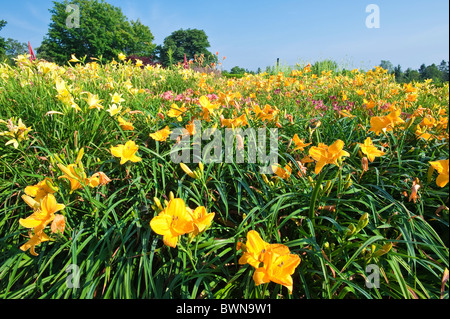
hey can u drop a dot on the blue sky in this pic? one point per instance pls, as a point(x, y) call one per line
point(254, 33)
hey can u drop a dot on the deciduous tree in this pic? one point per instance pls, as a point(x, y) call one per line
point(103, 31)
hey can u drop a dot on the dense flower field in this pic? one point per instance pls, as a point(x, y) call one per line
point(94, 204)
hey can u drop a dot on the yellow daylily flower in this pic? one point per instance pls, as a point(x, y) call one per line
point(161, 135)
point(277, 268)
point(173, 222)
point(442, 167)
point(299, 143)
point(370, 150)
point(176, 112)
point(121, 56)
point(273, 262)
point(114, 109)
point(125, 125)
point(255, 248)
point(379, 124)
point(93, 101)
point(324, 154)
point(35, 240)
point(126, 152)
point(207, 106)
point(202, 219)
point(283, 173)
point(75, 175)
point(41, 189)
point(41, 217)
point(116, 98)
point(74, 58)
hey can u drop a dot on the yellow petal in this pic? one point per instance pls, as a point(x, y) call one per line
point(161, 224)
point(117, 151)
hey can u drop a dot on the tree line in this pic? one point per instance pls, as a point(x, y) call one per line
point(438, 73)
point(102, 33)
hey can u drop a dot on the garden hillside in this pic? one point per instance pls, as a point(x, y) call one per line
point(93, 203)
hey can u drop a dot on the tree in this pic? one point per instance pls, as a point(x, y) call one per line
point(237, 70)
point(444, 68)
point(432, 72)
point(2, 40)
point(411, 75)
point(192, 42)
point(387, 65)
point(15, 48)
point(103, 31)
point(399, 76)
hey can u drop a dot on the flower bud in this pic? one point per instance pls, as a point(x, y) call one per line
point(363, 221)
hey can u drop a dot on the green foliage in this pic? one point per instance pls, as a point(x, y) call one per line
point(192, 42)
point(324, 66)
point(103, 32)
point(338, 222)
point(439, 74)
point(2, 40)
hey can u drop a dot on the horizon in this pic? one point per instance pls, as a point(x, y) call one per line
point(254, 35)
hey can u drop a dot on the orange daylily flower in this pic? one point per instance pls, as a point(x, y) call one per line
point(283, 173)
point(394, 117)
point(176, 112)
point(41, 189)
point(173, 222)
point(255, 248)
point(40, 218)
point(202, 219)
point(277, 268)
point(379, 124)
point(385, 123)
point(206, 105)
point(190, 128)
point(370, 150)
point(126, 152)
point(299, 143)
point(273, 262)
point(125, 125)
point(75, 175)
point(99, 179)
point(324, 154)
point(236, 122)
point(441, 167)
point(268, 113)
point(161, 135)
point(421, 132)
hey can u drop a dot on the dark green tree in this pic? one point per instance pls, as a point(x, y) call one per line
point(237, 70)
point(411, 75)
point(432, 72)
point(15, 48)
point(192, 42)
point(444, 68)
point(399, 76)
point(95, 29)
point(2, 41)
